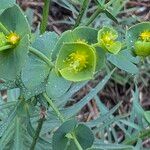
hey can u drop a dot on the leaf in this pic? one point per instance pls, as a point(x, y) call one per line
point(147, 116)
point(35, 70)
point(14, 20)
point(56, 83)
point(122, 62)
point(81, 34)
point(71, 111)
point(110, 15)
point(59, 138)
point(84, 135)
point(5, 4)
point(12, 61)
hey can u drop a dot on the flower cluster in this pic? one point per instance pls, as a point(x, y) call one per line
point(77, 61)
point(142, 45)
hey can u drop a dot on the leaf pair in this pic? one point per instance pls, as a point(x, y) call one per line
point(62, 138)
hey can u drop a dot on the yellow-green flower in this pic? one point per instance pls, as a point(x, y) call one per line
point(107, 39)
point(76, 61)
point(145, 36)
point(13, 38)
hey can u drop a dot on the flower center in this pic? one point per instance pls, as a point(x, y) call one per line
point(77, 61)
point(145, 36)
point(13, 38)
point(108, 38)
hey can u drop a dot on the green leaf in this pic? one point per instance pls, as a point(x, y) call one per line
point(84, 135)
point(4, 4)
point(35, 70)
point(60, 140)
point(110, 15)
point(14, 20)
point(76, 61)
point(147, 115)
point(12, 60)
point(57, 83)
point(122, 62)
point(101, 58)
point(45, 43)
point(82, 34)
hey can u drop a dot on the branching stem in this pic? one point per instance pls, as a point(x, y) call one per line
point(81, 13)
point(62, 119)
point(95, 14)
point(41, 56)
point(37, 133)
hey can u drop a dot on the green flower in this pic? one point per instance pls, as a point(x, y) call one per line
point(13, 38)
point(142, 46)
point(14, 42)
point(138, 39)
point(107, 39)
point(76, 61)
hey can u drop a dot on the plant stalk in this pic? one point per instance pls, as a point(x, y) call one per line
point(37, 133)
point(45, 16)
point(4, 29)
point(81, 13)
point(41, 56)
point(62, 119)
point(3, 48)
point(95, 14)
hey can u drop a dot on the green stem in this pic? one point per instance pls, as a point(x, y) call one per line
point(95, 14)
point(41, 56)
point(4, 29)
point(55, 109)
point(3, 48)
point(142, 135)
point(37, 133)
point(62, 119)
point(81, 13)
point(76, 142)
point(45, 15)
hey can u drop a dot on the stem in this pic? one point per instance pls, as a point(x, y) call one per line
point(41, 56)
point(3, 29)
point(62, 119)
point(3, 48)
point(81, 13)
point(76, 142)
point(55, 109)
point(142, 135)
point(95, 14)
point(45, 15)
point(37, 133)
